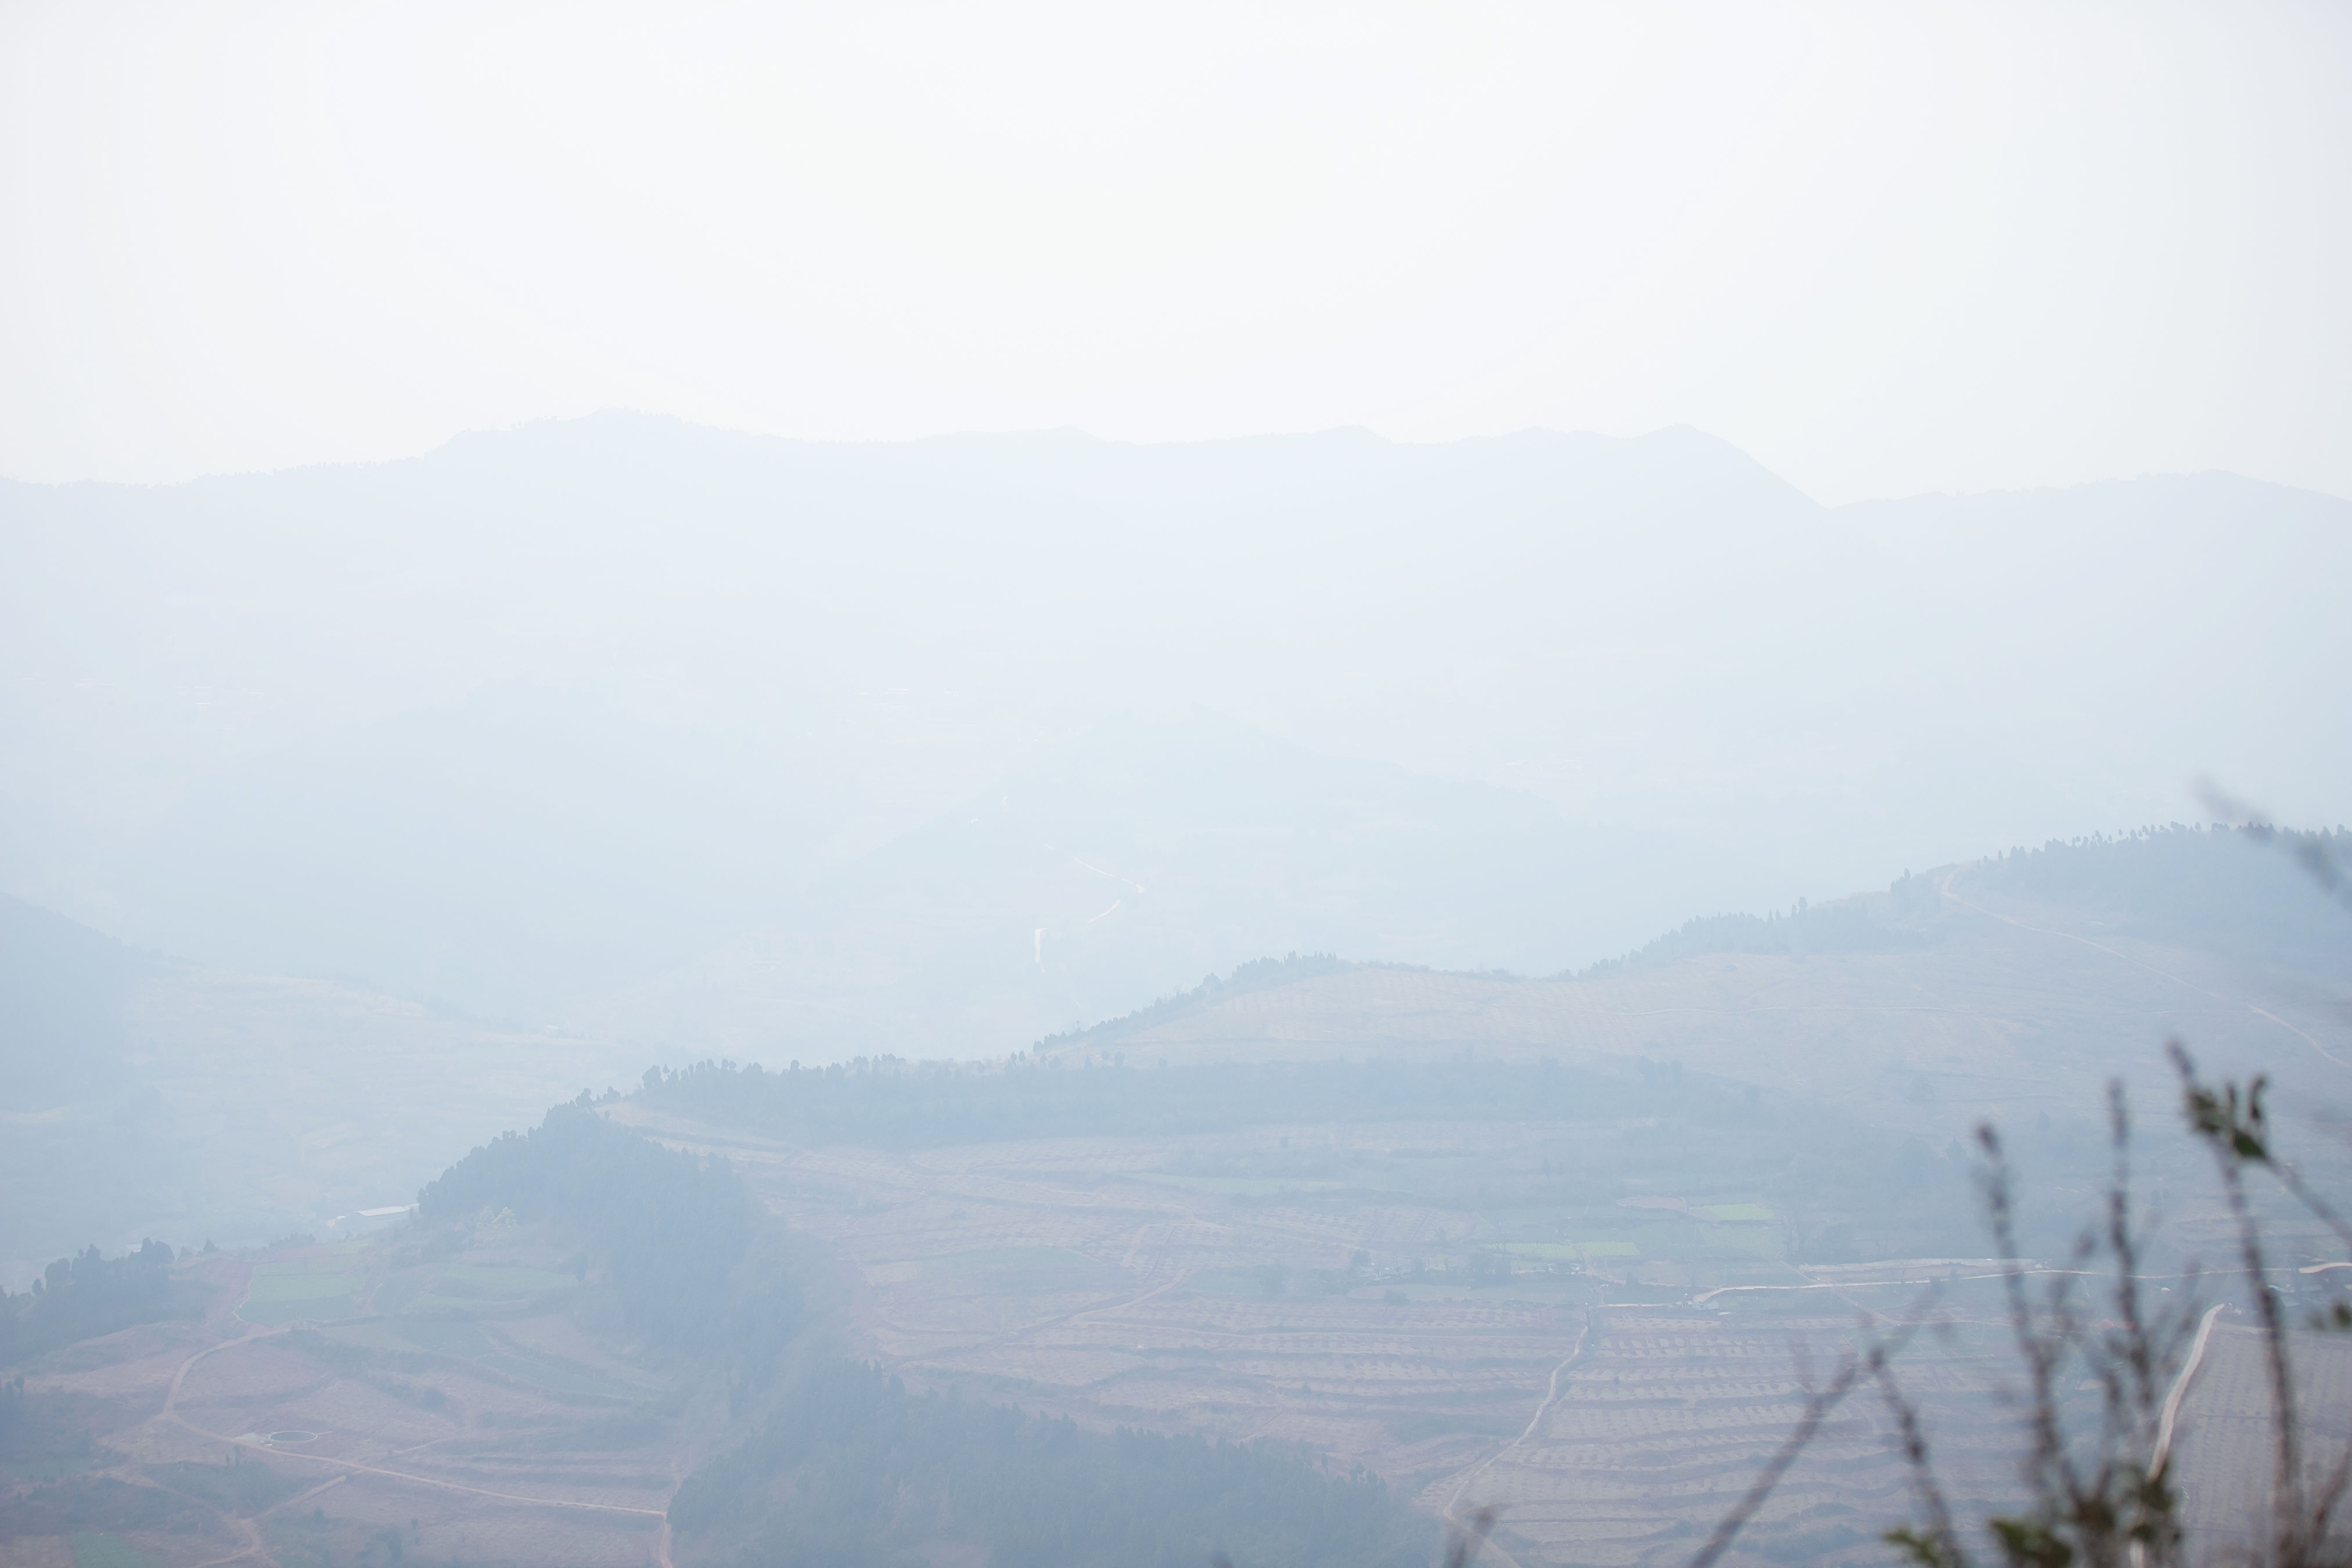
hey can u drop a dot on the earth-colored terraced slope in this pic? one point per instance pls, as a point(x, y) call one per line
point(1072, 1274)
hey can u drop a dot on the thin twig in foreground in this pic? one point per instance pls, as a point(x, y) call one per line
point(1851, 1368)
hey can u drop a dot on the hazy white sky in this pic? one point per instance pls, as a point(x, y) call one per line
point(1885, 248)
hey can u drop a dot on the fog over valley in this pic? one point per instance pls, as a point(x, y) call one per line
point(715, 742)
point(1294, 787)
point(1155, 827)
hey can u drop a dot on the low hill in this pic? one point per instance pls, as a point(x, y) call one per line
point(2008, 986)
point(1134, 861)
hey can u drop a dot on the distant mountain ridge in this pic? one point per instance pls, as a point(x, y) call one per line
point(1128, 864)
point(551, 714)
point(2019, 980)
point(62, 990)
point(2231, 890)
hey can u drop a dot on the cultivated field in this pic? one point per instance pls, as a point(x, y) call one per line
point(1654, 1432)
point(353, 1402)
point(2226, 1429)
point(1601, 1324)
point(1621, 1383)
point(2011, 1015)
point(1074, 1276)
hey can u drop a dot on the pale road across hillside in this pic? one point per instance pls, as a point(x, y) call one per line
point(1944, 886)
point(1452, 1511)
point(1115, 1298)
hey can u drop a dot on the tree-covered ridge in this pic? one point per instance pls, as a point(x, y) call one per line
point(1257, 974)
point(81, 1297)
point(1814, 1163)
point(1868, 924)
point(856, 1472)
point(890, 1104)
point(2229, 889)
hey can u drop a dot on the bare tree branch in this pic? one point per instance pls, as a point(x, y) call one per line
point(2313, 851)
point(1852, 1368)
point(2236, 1132)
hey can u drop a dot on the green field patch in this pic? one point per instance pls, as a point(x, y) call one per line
point(287, 1295)
point(300, 1286)
point(507, 1281)
point(1733, 1213)
point(1745, 1241)
point(1608, 1249)
point(467, 1343)
point(556, 1379)
point(91, 1551)
point(400, 1292)
point(316, 1308)
point(1557, 1249)
point(464, 1340)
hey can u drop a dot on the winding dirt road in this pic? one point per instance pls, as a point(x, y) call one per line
point(1452, 1511)
point(1945, 887)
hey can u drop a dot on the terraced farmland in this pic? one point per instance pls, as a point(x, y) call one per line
point(1593, 1309)
point(2226, 1435)
point(1342, 1312)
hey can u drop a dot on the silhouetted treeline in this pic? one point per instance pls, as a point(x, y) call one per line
point(852, 1471)
point(1257, 974)
point(1849, 925)
point(2227, 889)
point(81, 1297)
point(888, 1103)
point(1846, 1189)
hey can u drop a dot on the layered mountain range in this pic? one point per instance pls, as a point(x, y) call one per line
point(710, 741)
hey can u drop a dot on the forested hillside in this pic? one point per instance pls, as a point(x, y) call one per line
point(856, 1472)
point(87, 1295)
point(2241, 891)
point(1901, 918)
